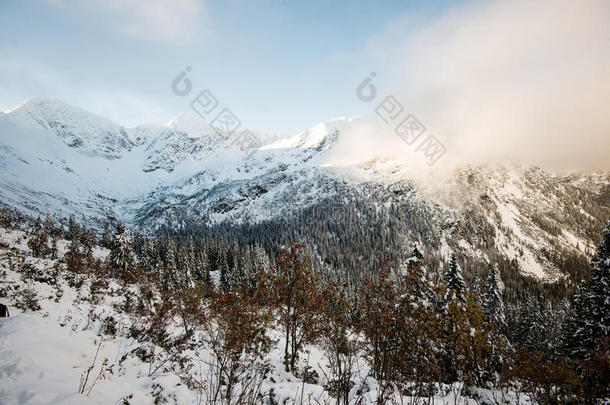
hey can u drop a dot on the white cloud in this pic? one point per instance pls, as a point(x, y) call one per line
point(159, 20)
point(23, 79)
point(521, 81)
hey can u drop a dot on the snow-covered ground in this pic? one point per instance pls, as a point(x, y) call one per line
point(61, 354)
point(45, 354)
point(44, 363)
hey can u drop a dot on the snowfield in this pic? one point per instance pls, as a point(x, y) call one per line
point(44, 354)
point(42, 363)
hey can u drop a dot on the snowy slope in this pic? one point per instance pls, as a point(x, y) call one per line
point(78, 129)
point(61, 159)
point(31, 376)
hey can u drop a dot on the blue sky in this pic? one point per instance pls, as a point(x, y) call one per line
point(494, 80)
point(280, 66)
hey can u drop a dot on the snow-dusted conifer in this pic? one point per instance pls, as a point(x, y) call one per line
point(600, 289)
point(49, 225)
point(73, 229)
point(415, 260)
point(121, 253)
point(54, 250)
point(169, 273)
point(589, 322)
point(454, 280)
point(38, 243)
point(493, 304)
point(261, 260)
point(106, 237)
point(202, 265)
point(87, 238)
point(223, 268)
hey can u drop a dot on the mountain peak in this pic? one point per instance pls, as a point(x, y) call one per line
point(41, 105)
point(34, 103)
point(188, 124)
point(78, 128)
point(50, 112)
point(321, 136)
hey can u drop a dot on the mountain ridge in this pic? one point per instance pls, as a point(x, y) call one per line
point(164, 174)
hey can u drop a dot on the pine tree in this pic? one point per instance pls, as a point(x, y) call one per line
point(73, 229)
point(106, 237)
point(49, 225)
point(38, 243)
point(156, 256)
point(554, 318)
point(589, 322)
point(223, 268)
point(87, 239)
point(73, 257)
point(169, 276)
point(576, 323)
point(415, 260)
point(185, 264)
point(533, 324)
point(476, 289)
point(600, 289)
point(54, 250)
point(207, 274)
point(261, 261)
point(138, 243)
point(121, 253)
point(249, 267)
point(202, 268)
point(144, 258)
point(493, 304)
point(190, 261)
point(454, 280)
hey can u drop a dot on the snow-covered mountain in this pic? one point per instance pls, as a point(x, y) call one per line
point(86, 132)
point(61, 159)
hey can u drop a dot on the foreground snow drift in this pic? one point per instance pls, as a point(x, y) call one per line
point(42, 363)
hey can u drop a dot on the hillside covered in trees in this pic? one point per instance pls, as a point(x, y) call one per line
point(237, 323)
